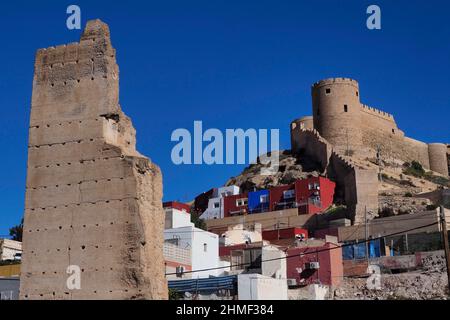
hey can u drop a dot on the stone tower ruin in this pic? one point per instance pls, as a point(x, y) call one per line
point(92, 201)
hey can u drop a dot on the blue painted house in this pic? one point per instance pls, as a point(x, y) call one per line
point(258, 201)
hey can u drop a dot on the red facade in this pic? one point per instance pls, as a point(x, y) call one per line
point(231, 205)
point(226, 250)
point(278, 199)
point(330, 267)
point(177, 205)
point(288, 233)
point(310, 195)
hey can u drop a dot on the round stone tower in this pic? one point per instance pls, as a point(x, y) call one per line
point(437, 153)
point(305, 123)
point(297, 126)
point(337, 113)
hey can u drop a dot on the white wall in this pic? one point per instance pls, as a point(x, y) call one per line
point(195, 239)
point(176, 219)
point(217, 213)
point(202, 259)
point(211, 212)
point(275, 268)
point(258, 287)
point(228, 191)
point(238, 236)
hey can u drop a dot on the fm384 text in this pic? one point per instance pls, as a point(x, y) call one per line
point(249, 309)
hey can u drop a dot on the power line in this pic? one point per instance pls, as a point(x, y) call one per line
point(305, 253)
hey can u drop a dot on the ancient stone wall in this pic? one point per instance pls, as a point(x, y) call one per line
point(358, 187)
point(91, 199)
point(309, 143)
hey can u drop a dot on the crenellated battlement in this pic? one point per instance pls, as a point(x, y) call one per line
point(377, 112)
point(331, 81)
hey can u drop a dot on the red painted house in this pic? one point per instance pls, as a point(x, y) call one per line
point(315, 265)
point(287, 233)
point(282, 197)
point(235, 205)
point(310, 195)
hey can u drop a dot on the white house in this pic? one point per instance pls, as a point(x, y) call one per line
point(215, 204)
point(203, 246)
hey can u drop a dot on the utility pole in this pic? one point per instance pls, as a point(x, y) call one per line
point(446, 248)
point(366, 234)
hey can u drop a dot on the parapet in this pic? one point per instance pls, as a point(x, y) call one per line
point(332, 81)
point(377, 112)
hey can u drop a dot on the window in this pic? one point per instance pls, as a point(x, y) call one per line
point(327, 91)
point(264, 198)
point(393, 131)
point(287, 194)
point(241, 202)
point(345, 108)
point(216, 204)
point(205, 247)
point(357, 93)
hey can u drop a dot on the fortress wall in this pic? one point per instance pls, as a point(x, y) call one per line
point(310, 144)
point(358, 187)
point(415, 150)
point(380, 130)
point(367, 194)
point(379, 114)
point(92, 200)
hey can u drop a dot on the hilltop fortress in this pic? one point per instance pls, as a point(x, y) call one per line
point(355, 129)
point(343, 130)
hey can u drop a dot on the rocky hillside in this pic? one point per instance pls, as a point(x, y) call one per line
point(291, 168)
point(400, 183)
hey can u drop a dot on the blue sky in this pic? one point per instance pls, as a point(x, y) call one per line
point(231, 64)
